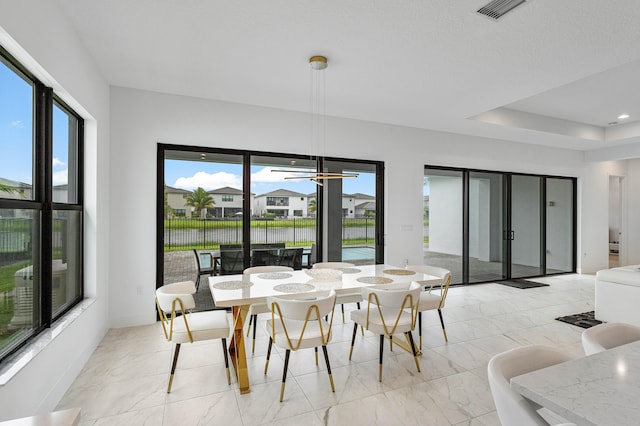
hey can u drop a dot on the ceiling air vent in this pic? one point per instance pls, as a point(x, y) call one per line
point(496, 9)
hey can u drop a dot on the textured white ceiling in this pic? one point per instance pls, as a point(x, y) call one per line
point(428, 64)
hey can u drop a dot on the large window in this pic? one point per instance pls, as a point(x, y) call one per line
point(40, 206)
point(276, 217)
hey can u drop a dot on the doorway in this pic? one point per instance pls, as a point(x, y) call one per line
point(616, 199)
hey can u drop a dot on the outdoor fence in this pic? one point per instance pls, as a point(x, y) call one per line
point(182, 233)
point(15, 238)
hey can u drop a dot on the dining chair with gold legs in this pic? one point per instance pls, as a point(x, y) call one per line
point(341, 299)
point(391, 309)
point(431, 298)
point(299, 324)
point(180, 325)
point(260, 308)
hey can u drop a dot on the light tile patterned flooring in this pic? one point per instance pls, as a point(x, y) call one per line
point(124, 382)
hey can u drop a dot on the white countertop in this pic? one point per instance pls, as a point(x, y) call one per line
point(600, 389)
point(259, 288)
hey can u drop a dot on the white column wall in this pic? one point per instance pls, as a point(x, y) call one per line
point(38, 35)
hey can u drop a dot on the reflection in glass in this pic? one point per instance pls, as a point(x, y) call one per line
point(442, 212)
point(19, 280)
point(64, 161)
point(66, 269)
point(350, 206)
point(526, 221)
point(486, 251)
point(283, 217)
point(559, 225)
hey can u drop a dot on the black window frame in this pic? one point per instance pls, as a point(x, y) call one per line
point(42, 201)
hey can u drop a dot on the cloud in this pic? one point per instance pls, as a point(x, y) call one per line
point(209, 181)
point(17, 123)
point(58, 163)
point(265, 175)
point(61, 177)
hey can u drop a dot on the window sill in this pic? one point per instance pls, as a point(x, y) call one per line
point(12, 365)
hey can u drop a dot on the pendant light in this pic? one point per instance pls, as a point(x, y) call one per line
point(318, 128)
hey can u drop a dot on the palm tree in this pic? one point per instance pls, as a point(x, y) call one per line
point(201, 200)
point(312, 206)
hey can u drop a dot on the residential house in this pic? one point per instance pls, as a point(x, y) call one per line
point(281, 203)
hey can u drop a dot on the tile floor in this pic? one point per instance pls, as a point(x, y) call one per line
point(124, 382)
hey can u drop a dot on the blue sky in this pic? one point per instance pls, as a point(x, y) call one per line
point(16, 139)
point(16, 131)
point(208, 175)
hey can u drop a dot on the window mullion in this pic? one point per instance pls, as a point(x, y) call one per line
point(43, 178)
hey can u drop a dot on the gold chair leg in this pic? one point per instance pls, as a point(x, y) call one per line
point(381, 350)
point(326, 358)
point(444, 331)
point(342, 306)
point(409, 337)
point(266, 364)
point(284, 373)
point(420, 328)
point(176, 352)
point(316, 350)
point(353, 339)
point(249, 327)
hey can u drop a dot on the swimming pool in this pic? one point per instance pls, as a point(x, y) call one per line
point(357, 253)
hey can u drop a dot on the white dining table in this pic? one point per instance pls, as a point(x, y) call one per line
point(240, 291)
point(599, 389)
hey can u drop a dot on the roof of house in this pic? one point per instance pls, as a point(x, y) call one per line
point(369, 205)
point(282, 193)
point(226, 190)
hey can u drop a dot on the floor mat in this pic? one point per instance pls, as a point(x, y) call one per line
point(584, 320)
point(521, 283)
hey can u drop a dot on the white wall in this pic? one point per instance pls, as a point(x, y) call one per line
point(37, 34)
point(142, 119)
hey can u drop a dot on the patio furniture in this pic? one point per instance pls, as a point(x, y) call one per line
point(231, 259)
point(291, 257)
point(205, 265)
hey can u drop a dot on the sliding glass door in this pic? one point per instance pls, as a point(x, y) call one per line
point(220, 211)
point(525, 231)
point(442, 215)
point(560, 220)
point(489, 226)
point(351, 208)
point(485, 234)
